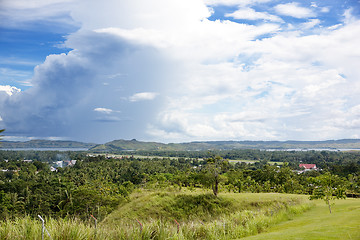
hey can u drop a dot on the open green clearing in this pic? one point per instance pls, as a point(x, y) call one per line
point(318, 223)
point(253, 161)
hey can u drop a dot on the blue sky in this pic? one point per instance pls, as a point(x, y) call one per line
point(180, 70)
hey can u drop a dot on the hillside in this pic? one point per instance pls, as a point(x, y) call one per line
point(193, 206)
point(44, 144)
point(134, 145)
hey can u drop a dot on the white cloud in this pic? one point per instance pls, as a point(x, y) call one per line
point(144, 96)
point(348, 16)
point(310, 24)
point(155, 14)
point(289, 89)
point(325, 10)
point(103, 110)
point(9, 90)
point(294, 10)
point(22, 13)
point(251, 14)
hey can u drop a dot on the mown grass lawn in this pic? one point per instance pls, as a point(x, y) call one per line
point(318, 223)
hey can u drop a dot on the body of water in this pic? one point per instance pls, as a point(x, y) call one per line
point(44, 149)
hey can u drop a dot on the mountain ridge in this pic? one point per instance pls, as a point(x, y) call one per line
point(135, 145)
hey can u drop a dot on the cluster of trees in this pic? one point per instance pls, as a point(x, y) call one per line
point(31, 188)
point(96, 185)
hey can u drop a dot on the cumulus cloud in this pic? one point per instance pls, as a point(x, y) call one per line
point(142, 96)
point(251, 14)
point(103, 110)
point(310, 24)
point(9, 90)
point(289, 89)
point(294, 10)
point(65, 87)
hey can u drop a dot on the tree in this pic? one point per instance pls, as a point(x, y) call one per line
point(328, 187)
point(211, 176)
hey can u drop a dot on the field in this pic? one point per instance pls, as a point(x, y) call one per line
point(252, 161)
point(318, 223)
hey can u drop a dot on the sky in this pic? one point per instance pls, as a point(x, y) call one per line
point(179, 70)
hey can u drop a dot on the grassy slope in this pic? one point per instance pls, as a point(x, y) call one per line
point(318, 223)
point(187, 206)
point(201, 215)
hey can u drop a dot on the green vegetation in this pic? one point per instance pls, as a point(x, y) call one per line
point(329, 187)
point(227, 217)
point(292, 222)
point(191, 206)
point(209, 197)
point(318, 224)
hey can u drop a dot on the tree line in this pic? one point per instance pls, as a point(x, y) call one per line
point(97, 185)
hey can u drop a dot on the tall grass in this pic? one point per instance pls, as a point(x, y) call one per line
point(235, 225)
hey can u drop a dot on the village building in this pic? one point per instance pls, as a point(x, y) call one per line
point(308, 167)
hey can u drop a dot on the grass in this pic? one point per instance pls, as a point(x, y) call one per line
point(318, 223)
point(253, 161)
point(200, 216)
point(265, 216)
point(188, 206)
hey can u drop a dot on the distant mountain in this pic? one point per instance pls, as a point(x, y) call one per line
point(44, 144)
point(129, 145)
point(134, 145)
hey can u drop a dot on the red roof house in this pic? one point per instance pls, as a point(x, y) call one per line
point(308, 166)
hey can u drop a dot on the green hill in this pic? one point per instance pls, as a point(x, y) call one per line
point(195, 206)
point(129, 145)
point(134, 145)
